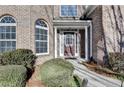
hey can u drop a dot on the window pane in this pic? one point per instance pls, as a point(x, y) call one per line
point(13, 35)
point(37, 37)
point(37, 31)
point(64, 10)
point(41, 50)
point(45, 49)
point(2, 29)
point(7, 28)
point(41, 47)
point(13, 44)
point(68, 10)
point(42, 37)
point(37, 45)
point(72, 10)
point(2, 36)
point(7, 46)
point(41, 31)
point(13, 29)
point(3, 44)
point(8, 36)
point(8, 43)
point(45, 32)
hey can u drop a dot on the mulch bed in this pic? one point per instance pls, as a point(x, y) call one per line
point(99, 69)
point(33, 81)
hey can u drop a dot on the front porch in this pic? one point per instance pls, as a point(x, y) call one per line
point(73, 39)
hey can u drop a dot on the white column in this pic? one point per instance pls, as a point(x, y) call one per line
point(86, 43)
point(78, 40)
point(61, 43)
point(91, 39)
point(77, 44)
point(55, 33)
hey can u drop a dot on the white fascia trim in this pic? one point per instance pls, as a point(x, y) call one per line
point(71, 21)
point(71, 27)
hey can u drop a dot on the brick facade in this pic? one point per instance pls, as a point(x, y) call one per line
point(26, 17)
point(105, 32)
point(97, 27)
point(25, 30)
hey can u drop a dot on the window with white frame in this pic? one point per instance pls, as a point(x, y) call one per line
point(41, 37)
point(7, 34)
point(69, 10)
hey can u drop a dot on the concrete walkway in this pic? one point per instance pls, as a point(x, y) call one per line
point(94, 79)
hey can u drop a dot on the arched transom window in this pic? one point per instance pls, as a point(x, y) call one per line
point(7, 34)
point(41, 37)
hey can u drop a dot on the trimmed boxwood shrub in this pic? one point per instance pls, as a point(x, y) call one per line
point(13, 76)
point(57, 73)
point(23, 57)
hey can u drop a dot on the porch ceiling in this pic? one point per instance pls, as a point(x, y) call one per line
point(71, 23)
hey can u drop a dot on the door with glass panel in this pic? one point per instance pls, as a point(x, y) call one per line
point(69, 44)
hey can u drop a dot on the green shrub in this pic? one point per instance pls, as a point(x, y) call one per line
point(116, 57)
point(57, 73)
point(13, 76)
point(23, 57)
